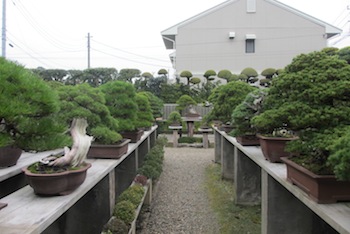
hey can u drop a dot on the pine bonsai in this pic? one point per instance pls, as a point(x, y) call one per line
point(144, 114)
point(28, 110)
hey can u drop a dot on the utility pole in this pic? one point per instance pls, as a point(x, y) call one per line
point(88, 46)
point(3, 28)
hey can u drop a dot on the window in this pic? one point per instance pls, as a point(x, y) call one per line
point(250, 46)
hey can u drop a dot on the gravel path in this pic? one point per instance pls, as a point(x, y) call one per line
point(181, 204)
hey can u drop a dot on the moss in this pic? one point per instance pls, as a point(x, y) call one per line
point(133, 194)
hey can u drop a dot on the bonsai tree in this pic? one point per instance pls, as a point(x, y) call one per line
point(225, 98)
point(311, 97)
point(84, 101)
point(155, 103)
point(28, 109)
point(174, 118)
point(144, 117)
point(121, 102)
point(245, 111)
point(183, 102)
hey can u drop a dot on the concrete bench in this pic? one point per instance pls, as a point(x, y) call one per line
point(285, 207)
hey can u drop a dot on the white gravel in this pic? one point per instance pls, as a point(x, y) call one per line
point(180, 204)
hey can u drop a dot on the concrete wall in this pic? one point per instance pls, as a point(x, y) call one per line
point(204, 43)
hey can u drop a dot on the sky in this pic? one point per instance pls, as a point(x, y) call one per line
point(123, 34)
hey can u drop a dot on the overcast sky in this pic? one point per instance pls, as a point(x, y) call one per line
point(124, 34)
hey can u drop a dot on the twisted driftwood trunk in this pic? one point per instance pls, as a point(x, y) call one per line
point(80, 147)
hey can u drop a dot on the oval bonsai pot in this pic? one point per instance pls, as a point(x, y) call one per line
point(114, 151)
point(9, 156)
point(61, 183)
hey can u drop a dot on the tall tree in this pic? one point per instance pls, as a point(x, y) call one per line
point(126, 74)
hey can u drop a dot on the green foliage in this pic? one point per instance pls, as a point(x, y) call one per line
point(162, 72)
point(115, 226)
point(183, 102)
point(125, 211)
point(190, 140)
point(225, 74)
point(144, 114)
point(312, 97)
point(152, 167)
point(245, 111)
point(147, 75)
point(155, 103)
point(133, 194)
point(28, 109)
point(330, 50)
point(174, 117)
point(98, 76)
point(84, 101)
point(128, 73)
point(225, 98)
point(121, 102)
point(251, 74)
point(209, 75)
point(344, 54)
point(340, 156)
point(186, 74)
point(268, 72)
point(195, 80)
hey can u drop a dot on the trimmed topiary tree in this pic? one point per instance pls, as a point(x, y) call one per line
point(209, 75)
point(183, 102)
point(187, 75)
point(225, 74)
point(251, 73)
point(155, 103)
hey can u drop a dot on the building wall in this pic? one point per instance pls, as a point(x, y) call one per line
point(204, 43)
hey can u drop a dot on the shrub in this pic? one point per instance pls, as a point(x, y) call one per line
point(133, 194)
point(183, 102)
point(175, 118)
point(190, 140)
point(125, 211)
point(115, 226)
point(144, 118)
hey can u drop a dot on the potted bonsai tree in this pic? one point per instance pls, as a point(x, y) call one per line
point(62, 174)
point(84, 101)
point(27, 114)
point(224, 99)
point(121, 102)
point(311, 97)
point(244, 132)
point(144, 118)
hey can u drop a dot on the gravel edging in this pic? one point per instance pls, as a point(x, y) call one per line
point(181, 204)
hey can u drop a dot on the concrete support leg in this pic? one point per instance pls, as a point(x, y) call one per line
point(175, 138)
point(281, 211)
point(247, 180)
point(218, 147)
point(205, 140)
point(227, 160)
point(190, 128)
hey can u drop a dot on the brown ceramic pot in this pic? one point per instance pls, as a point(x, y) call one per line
point(320, 188)
point(108, 151)
point(9, 156)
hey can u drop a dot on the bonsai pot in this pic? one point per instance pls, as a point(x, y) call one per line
point(9, 156)
point(108, 151)
point(134, 136)
point(61, 183)
point(320, 188)
point(248, 140)
point(273, 148)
